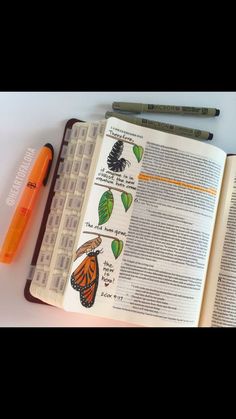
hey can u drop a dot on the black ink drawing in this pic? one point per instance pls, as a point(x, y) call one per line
point(113, 161)
point(85, 279)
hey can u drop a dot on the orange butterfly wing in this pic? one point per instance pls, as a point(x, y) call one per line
point(88, 294)
point(85, 279)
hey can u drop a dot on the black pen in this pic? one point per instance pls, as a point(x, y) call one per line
point(196, 134)
point(170, 109)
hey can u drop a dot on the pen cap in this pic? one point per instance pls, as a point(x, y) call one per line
point(127, 107)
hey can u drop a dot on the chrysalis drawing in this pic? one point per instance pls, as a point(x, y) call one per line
point(88, 247)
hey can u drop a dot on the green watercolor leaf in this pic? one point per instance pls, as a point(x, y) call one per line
point(127, 200)
point(138, 152)
point(117, 246)
point(105, 207)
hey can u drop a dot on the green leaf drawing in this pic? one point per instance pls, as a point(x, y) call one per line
point(138, 151)
point(105, 207)
point(117, 246)
point(127, 200)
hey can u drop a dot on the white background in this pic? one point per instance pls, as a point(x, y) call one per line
point(31, 120)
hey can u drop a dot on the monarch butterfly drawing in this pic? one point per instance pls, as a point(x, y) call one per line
point(85, 279)
point(113, 161)
point(88, 246)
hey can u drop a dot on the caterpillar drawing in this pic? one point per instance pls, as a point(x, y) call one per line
point(113, 161)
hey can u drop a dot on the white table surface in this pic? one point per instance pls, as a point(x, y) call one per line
point(30, 119)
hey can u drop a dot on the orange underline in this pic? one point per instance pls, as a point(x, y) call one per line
point(147, 178)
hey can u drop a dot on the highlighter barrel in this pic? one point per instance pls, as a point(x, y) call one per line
point(14, 235)
point(38, 176)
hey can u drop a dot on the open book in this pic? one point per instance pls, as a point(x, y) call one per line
point(139, 226)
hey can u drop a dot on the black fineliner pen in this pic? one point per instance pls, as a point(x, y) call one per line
point(196, 134)
point(170, 109)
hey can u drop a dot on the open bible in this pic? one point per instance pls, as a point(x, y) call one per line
point(139, 226)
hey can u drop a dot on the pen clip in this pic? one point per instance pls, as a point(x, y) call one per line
point(45, 180)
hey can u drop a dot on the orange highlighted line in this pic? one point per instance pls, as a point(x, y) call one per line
point(147, 178)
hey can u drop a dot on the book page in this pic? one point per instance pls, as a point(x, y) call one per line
point(143, 251)
point(219, 303)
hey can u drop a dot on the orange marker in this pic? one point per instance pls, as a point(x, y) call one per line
point(38, 177)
